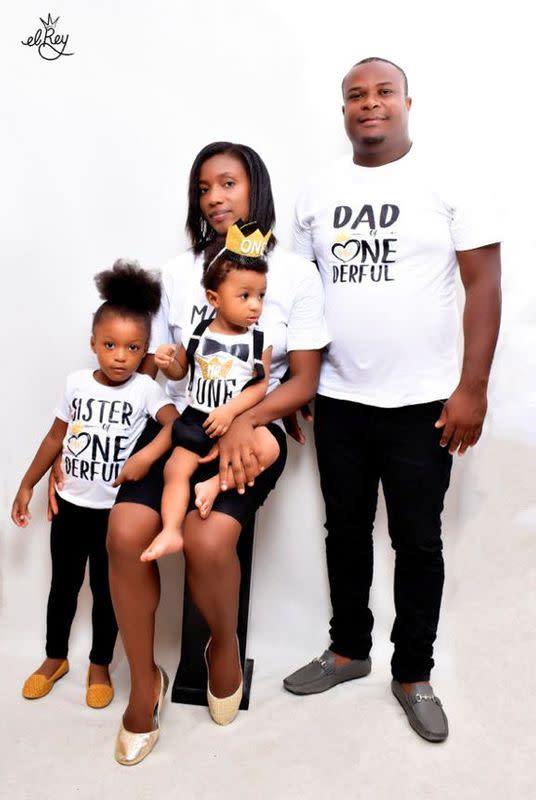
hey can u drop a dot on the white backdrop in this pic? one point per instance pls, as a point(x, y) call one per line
point(96, 148)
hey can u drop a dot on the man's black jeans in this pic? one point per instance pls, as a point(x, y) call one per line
point(357, 446)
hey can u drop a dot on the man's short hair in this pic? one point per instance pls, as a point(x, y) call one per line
point(385, 61)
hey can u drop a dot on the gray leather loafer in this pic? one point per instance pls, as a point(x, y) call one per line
point(322, 673)
point(424, 711)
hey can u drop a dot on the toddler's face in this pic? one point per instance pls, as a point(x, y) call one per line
point(239, 298)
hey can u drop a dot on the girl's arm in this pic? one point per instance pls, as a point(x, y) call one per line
point(48, 450)
point(218, 422)
point(138, 465)
point(148, 367)
point(172, 361)
point(167, 414)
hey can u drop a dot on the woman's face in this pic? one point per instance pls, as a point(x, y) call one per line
point(224, 191)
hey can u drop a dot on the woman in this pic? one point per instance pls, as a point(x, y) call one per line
point(227, 182)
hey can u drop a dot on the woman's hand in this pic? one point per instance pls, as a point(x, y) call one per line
point(237, 452)
point(55, 478)
point(292, 426)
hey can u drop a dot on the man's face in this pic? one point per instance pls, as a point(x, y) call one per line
point(375, 106)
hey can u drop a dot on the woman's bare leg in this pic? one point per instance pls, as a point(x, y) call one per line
point(206, 492)
point(135, 590)
point(179, 468)
point(213, 575)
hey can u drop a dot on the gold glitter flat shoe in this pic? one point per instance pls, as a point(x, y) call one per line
point(98, 695)
point(131, 748)
point(223, 710)
point(38, 685)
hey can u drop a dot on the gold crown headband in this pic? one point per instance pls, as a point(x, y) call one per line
point(251, 245)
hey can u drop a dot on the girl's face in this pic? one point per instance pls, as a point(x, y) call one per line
point(239, 299)
point(119, 343)
point(224, 192)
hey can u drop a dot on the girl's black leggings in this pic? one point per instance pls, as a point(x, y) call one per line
point(77, 534)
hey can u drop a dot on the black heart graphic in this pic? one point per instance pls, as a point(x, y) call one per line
point(79, 443)
point(346, 251)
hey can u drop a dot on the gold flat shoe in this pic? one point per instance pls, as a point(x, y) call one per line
point(98, 695)
point(131, 748)
point(223, 710)
point(38, 685)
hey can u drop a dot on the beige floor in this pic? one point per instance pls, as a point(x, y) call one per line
point(352, 742)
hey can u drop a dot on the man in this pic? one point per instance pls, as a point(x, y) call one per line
point(387, 232)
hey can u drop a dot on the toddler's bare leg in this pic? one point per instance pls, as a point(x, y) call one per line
point(206, 491)
point(177, 473)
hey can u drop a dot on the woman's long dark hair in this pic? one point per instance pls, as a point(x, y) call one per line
point(261, 201)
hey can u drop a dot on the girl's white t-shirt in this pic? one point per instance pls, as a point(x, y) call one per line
point(385, 241)
point(104, 423)
point(293, 311)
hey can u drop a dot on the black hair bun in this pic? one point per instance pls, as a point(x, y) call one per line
point(129, 286)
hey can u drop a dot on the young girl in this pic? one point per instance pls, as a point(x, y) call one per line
point(229, 364)
point(98, 420)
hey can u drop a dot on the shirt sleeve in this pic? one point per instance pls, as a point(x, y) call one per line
point(303, 238)
point(160, 332)
point(155, 397)
point(63, 408)
point(306, 325)
point(475, 218)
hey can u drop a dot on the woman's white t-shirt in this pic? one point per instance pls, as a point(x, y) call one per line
point(103, 425)
point(385, 240)
point(293, 311)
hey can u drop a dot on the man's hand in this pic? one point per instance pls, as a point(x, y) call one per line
point(55, 478)
point(218, 421)
point(462, 418)
point(292, 426)
point(134, 468)
point(19, 511)
point(164, 356)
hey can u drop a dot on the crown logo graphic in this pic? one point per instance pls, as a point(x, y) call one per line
point(49, 23)
point(214, 368)
point(251, 244)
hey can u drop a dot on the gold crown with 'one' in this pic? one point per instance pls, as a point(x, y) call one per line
point(251, 245)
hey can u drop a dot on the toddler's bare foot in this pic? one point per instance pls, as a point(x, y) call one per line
point(168, 541)
point(205, 494)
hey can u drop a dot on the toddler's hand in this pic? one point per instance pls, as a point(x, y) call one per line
point(217, 423)
point(164, 356)
point(19, 511)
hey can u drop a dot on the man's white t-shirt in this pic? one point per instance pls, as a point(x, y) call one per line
point(293, 310)
point(385, 240)
point(103, 425)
